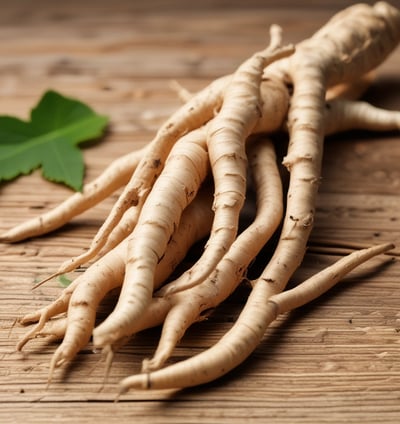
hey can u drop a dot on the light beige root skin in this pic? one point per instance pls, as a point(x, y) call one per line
point(227, 133)
point(97, 281)
point(353, 90)
point(188, 306)
point(197, 111)
point(262, 307)
point(81, 299)
point(195, 224)
point(351, 44)
point(180, 310)
point(54, 329)
point(183, 93)
point(275, 104)
point(124, 227)
point(186, 168)
point(114, 177)
point(193, 114)
point(122, 230)
point(42, 315)
point(69, 347)
point(343, 115)
point(314, 66)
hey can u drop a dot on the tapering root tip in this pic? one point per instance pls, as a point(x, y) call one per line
point(15, 234)
point(30, 318)
point(138, 381)
point(275, 33)
point(390, 246)
point(379, 248)
point(46, 279)
point(109, 357)
point(57, 360)
point(42, 318)
point(24, 340)
point(186, 281)
point(11, 235)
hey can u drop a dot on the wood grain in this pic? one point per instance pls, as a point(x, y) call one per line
point(335, 360)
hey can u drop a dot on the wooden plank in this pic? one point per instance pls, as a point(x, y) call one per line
point(335, 360)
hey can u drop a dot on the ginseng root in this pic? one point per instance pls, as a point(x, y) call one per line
point(190, 182)
point(262, 307)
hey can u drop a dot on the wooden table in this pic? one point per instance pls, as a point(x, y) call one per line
point(335, 360)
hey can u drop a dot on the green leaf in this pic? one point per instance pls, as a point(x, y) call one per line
point(49, 140)
point(64, 280)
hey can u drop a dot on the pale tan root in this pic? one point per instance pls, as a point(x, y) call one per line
point(186, 168)
point(121, 231)
point(189, 305)
point(330, 245)
point(313, 67)
point(54, 328)
point(183, 93)
point(261, 308)
point(275, 100)
point(343, 115)
point(107, 274)
point(42, 315)
point(103, 274)
point(347, 91)
point(275, 103)
point(124, 227)
point(113, 177)
point(316, 64)
point(193, 114)
point(240, 111)
point(84, 339)
point(131, 216)
point(352, 43)
point(99, 279)
point(353, 90)
point(318, 284)
point(194, 225)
